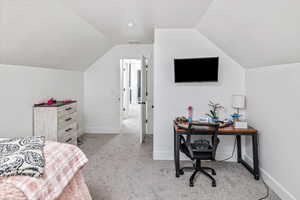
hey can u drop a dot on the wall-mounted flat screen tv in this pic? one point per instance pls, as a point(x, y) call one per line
point(196, 70)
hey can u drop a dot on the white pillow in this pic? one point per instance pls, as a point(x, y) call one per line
point(22, 156)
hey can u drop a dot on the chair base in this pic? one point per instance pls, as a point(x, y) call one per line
point(199, 169)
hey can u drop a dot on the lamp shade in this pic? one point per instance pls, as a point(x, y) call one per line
point(238, 101)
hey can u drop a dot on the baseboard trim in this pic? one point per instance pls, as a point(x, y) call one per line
point(272, 182)
point(101, 130)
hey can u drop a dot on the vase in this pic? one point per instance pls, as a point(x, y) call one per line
point(216, 119)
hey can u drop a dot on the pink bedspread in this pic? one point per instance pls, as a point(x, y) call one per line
point(75, 190)
point(63, 162)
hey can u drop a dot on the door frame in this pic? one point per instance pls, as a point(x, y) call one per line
point(121, 98)
point(149, 97)
point(144, 99)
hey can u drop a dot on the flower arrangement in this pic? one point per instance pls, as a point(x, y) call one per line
point(214, 110)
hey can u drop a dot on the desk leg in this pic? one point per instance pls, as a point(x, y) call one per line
point(176, 154)
point(239, 148)
point(255, 156)
point(255, 169)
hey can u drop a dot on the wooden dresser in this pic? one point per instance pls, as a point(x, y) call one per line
point(57, 122)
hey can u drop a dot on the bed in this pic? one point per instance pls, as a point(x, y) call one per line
point(62, 179)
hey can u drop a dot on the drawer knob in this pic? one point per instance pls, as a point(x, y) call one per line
point(70, 108)
point(69, 129)
point(68, 119)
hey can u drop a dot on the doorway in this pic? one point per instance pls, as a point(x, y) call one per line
point(133, 105)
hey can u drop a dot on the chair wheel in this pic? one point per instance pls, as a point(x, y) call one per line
point(191, 184)
point(181, 172)
point(214, 184)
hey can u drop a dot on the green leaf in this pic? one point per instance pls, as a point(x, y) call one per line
point(214, 114)
point(209, 115)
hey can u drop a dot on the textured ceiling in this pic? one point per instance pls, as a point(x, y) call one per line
point(47, 34)
point(255, 33)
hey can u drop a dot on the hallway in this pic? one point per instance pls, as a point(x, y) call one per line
point(131, 124)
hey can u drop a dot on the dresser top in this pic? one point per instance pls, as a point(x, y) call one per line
point(57, 104)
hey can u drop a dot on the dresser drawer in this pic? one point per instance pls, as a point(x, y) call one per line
point(67, 132)
point(67, 109)
point(70, 138)
point(66, 120)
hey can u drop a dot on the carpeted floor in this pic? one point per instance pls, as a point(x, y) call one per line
point(121, 169)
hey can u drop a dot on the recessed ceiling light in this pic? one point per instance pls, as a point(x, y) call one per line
point(131, 24)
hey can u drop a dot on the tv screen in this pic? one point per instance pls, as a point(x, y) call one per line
point(196, 70)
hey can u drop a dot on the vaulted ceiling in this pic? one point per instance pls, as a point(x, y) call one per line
point(72, 34)
point(255, 33)
point(47, 34)
point(112, 17)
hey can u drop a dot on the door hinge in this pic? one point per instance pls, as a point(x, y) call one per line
point(146, 121)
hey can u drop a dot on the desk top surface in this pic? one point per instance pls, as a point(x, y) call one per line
point(228, 129)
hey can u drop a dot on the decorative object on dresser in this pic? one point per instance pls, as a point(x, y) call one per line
point(57, 122)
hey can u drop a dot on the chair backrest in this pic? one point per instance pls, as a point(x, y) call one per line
point(208, 129)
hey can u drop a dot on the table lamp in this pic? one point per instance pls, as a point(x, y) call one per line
point(238, 102)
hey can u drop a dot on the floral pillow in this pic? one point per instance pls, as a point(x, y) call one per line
point(22, 156)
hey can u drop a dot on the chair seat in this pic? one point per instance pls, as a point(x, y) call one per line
point(201, 155)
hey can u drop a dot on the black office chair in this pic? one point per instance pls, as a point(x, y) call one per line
point(201, 150)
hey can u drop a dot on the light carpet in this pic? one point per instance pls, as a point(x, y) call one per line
point(121, 169)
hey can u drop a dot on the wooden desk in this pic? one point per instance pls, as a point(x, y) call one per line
point(222, 131)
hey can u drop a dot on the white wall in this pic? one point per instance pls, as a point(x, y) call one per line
point(171, 100)
point(273, 108)
point(22, 86)
point(102, 88)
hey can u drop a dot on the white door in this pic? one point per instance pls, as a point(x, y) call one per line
point(125, 88)
point(143, 100)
